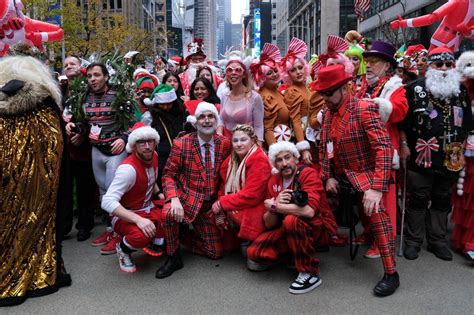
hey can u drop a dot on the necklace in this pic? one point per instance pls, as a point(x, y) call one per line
point(379, 87)
point(445, 108)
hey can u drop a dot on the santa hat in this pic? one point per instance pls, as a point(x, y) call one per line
point(441, 53)
point(138, 73)
point(201, 108)
point(141, 132)
point(282, 146)
point(163, 93)
point(131, 54)
point(465, 64)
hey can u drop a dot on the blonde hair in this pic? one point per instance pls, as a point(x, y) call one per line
point(29, 69)
point(247, 129)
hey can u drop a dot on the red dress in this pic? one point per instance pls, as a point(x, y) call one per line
point(462, 238)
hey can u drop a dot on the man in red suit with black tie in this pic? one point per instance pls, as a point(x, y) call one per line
point(355, 148)
point(190, 184)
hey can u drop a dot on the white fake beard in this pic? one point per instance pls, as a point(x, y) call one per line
point(443, 84)
point(191, 72)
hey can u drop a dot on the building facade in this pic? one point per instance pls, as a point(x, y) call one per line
point(205, 26)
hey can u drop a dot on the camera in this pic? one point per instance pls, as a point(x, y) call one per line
point(299, 198)
point(76, 129)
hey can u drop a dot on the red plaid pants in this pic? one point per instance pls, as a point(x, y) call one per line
point(295, 236)
point(133, 237)
point(381, 229)
point(206, 239)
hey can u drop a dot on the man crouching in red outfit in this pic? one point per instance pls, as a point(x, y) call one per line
point(297, 219)
point(128, 198)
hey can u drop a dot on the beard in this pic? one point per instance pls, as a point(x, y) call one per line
point(192, 70)
point(443, 84)
point(206, 130)
point(468, 72)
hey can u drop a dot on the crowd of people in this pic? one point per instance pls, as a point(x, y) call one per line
point(255, 155)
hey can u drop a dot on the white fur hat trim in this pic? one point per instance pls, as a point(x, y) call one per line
point(141, 133)
point(281, 146)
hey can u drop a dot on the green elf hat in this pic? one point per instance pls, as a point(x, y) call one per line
point(163, 93)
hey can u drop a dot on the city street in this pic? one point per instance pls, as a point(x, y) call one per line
point(428, 285)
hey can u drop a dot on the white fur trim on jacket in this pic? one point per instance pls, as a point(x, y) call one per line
point(302, 145)
point(391, 86)
point(281, 146)
point(142, 133)
point(385, 108)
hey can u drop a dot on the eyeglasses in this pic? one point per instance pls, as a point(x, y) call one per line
point(230, 70)
point(439, 64)
point(329, 93)
point(142, 143)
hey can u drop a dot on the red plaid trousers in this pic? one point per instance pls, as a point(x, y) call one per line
point(295, 236)
point(206, 239)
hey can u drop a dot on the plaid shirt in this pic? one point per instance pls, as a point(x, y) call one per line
point(363, 151)
point(185, 175)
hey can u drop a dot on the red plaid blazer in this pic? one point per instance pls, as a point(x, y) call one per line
point(364, 151)
point(184, 175)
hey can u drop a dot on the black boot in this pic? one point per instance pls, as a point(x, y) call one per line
point(173, 263)
point(387, 285)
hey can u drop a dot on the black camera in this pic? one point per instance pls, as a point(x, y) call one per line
point(76, 129)
point(299, 198)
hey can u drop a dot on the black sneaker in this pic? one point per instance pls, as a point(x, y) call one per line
point(304, 283)
point(411, 252)
point(442, 252)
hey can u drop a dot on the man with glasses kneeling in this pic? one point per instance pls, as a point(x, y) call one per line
point(128, 198)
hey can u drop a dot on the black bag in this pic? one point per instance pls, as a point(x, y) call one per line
point(345, 214)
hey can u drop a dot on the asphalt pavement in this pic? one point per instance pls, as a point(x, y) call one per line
point(428, 286)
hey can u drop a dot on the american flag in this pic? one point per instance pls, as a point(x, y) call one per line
point(360, 7)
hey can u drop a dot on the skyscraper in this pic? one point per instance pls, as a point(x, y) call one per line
point(224, 22)
point(205, 25)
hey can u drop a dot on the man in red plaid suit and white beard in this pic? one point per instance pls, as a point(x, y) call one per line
point(355, 148)
point(190, 184)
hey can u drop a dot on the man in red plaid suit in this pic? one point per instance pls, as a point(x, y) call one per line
point(295, 225)
point(190, 184)
point(355, 148)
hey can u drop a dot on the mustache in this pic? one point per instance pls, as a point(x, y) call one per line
point(286, 168)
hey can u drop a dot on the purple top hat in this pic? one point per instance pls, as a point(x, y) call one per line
point(382, 50)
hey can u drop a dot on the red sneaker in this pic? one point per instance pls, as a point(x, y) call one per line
point(363, 239)
point(109, 249)
point(103, 238)
point(338, 240)
point(372, 252)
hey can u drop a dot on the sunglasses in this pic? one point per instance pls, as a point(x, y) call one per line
point(439, 64)
point(230, 70)
point(330, 92)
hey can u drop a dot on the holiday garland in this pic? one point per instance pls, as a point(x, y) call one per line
point(123, 105)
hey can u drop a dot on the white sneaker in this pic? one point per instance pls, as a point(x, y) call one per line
point(304, 283)
point(125, 260)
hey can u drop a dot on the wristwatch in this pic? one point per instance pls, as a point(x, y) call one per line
point(273, 207)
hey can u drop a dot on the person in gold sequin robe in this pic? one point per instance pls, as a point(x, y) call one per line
point(31, 150)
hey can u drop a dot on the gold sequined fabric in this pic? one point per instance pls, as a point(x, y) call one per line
point(31, 146)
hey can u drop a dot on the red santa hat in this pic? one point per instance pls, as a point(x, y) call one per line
point(141, 132)
point(282, 146)
point(201, 108)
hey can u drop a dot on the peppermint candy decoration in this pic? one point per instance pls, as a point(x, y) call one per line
point(282, 133)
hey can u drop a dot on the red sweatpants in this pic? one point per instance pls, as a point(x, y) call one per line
point(133, 237)
point(295, 236)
